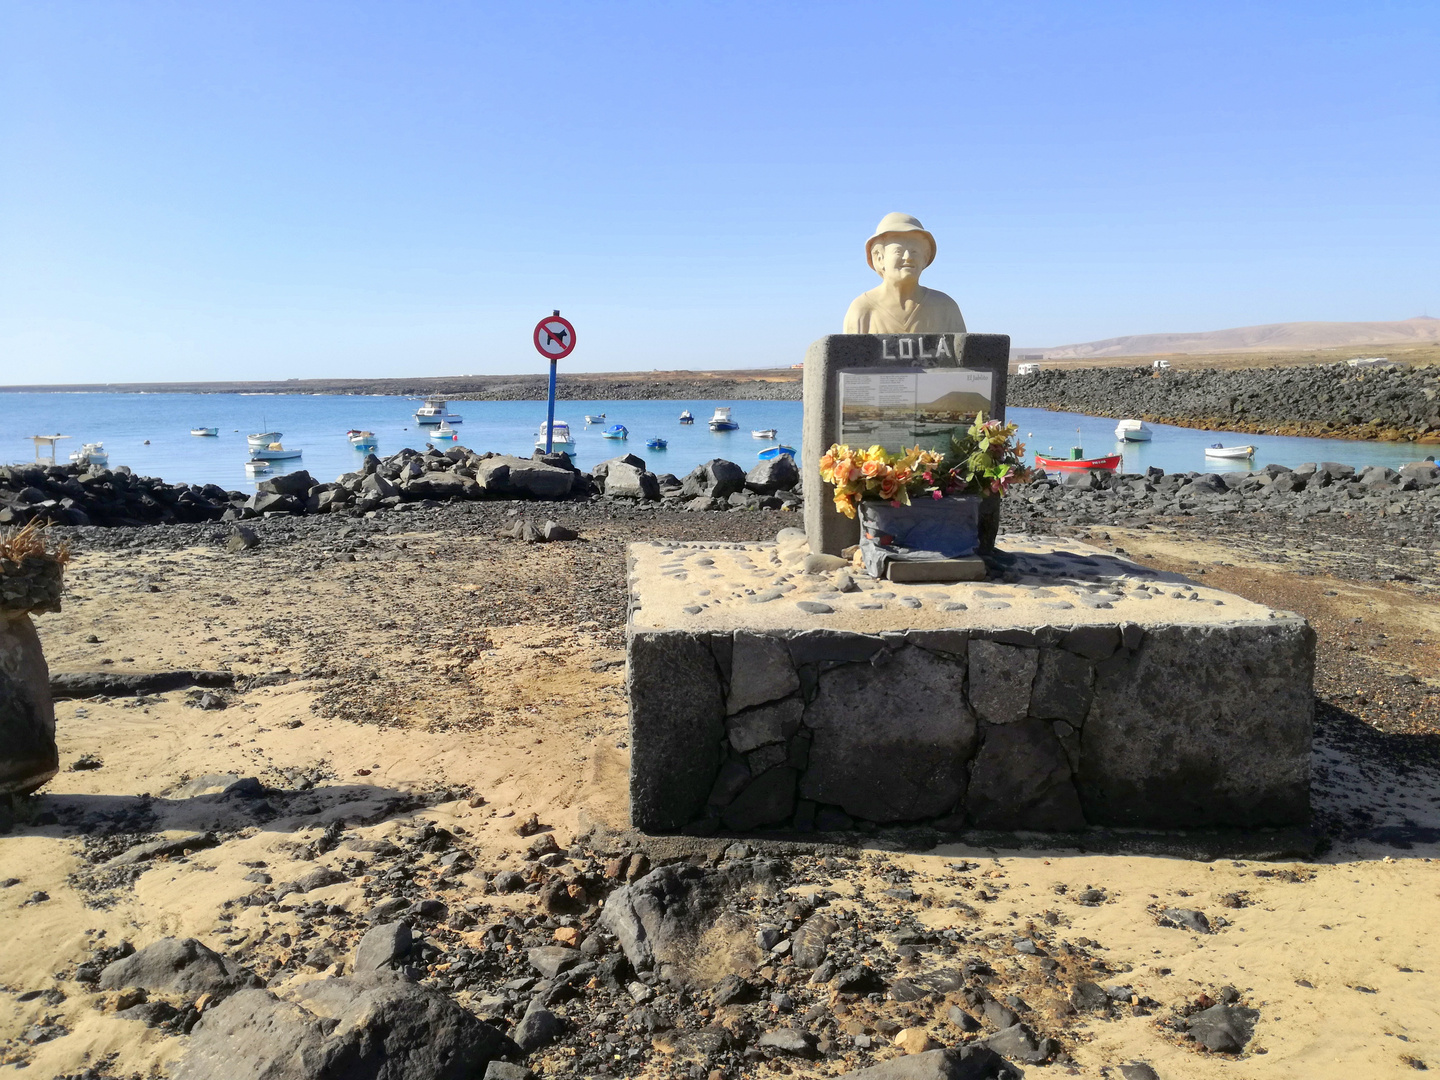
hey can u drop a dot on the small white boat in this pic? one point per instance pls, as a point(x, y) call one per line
point(360, 438)
point(257, 465)
point(721, 420)
point(1232, 452)
point(597, 419)
point(92, 453)
point(435, 412)
point(444, 433)
point(274, 452)
point(263, 438)
point(687, 417)
point(1132, 431)
point(204, 431)
point(764, 433)
point(560, 436)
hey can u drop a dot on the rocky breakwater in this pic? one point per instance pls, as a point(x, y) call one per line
point(77, 496)
point(1335, 400)
point(1408, 496)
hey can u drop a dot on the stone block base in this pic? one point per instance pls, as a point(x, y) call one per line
point(1074, 689)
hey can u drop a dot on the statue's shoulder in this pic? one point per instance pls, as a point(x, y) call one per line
point(941, 310)
point(857, 316)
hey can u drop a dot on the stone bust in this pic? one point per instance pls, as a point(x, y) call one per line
point(898, 252)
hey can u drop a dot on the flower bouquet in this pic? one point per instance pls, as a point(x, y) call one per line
point(922, 505)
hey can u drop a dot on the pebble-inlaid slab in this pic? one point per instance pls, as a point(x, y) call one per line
point(715, 586)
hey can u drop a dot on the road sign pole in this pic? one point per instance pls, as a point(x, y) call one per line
point(555, 339)
point(550, 416)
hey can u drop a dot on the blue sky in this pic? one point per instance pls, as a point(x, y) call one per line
point(298, 189)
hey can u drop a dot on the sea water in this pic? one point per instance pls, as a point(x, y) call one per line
point(151, 433)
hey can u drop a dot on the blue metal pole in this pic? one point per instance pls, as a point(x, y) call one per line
point(550, 417)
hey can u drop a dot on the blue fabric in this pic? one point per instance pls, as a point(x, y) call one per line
point(921, 532)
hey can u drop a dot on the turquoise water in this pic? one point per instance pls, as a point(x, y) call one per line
point(316, 425)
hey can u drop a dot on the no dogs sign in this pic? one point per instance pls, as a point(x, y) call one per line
point(554, 337)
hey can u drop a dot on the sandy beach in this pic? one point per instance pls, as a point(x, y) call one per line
point(447, 680)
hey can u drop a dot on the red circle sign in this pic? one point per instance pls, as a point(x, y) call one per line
point(554, 337)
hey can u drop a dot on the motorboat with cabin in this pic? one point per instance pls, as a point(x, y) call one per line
point(721, 420)
point(434, 411)
point(687, 417)
point(92, 453)
point(1133, 431)
point(559, 436)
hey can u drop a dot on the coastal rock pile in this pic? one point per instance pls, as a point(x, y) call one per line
point(1393, 404)
point(1413, 491)
point(80, 496)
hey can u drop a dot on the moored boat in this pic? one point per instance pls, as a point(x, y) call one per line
point(444, 433)
point(616, 431)
point(364, 440)
point(273, 452)
point(1108, 463)
point(1133, 431)
point(559, 436)
point(1230, 452)
point(257, 465)
point(598, 418)
point(262, 438)
point(435, 412)
point(687, 417)
point(721, 420)
point(204, 431)
point(763, 433)
point(656, 443)
point(92, 453)
point(770, 453)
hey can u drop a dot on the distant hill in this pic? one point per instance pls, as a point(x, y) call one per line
point(1420, 330)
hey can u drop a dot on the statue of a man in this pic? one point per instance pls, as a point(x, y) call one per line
point(898, 252)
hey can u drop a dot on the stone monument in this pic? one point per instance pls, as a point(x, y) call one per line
point(899, 337)
point(771, 687)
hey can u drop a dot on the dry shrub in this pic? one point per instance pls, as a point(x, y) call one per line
point(31, 542)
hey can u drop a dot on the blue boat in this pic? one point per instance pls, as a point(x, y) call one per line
point(770, 453)
point(656, 444)
point(615, 431)
point(721, 420)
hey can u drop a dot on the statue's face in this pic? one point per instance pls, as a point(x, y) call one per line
point(900, 256)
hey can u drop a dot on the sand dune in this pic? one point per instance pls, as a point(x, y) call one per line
point(1421, 330)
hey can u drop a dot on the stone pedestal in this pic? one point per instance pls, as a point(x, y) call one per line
point(828, 531)
point(1074, 689)
point(28, 756)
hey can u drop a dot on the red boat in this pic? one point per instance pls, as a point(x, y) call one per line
point(1108, 464)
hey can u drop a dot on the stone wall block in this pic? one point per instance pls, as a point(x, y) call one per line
point(768, 800)
point(890, 743)
point(760, 671)
point(732, 779)
point(1092, 642)
point(28, 753)
point(764, 724)
point(1063, 687)
point(677, 720)
point(1022, 780)
point(1000, 680)
point(766, 758)
point(1203, 726)
point(819, 646)
point(954, 643)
